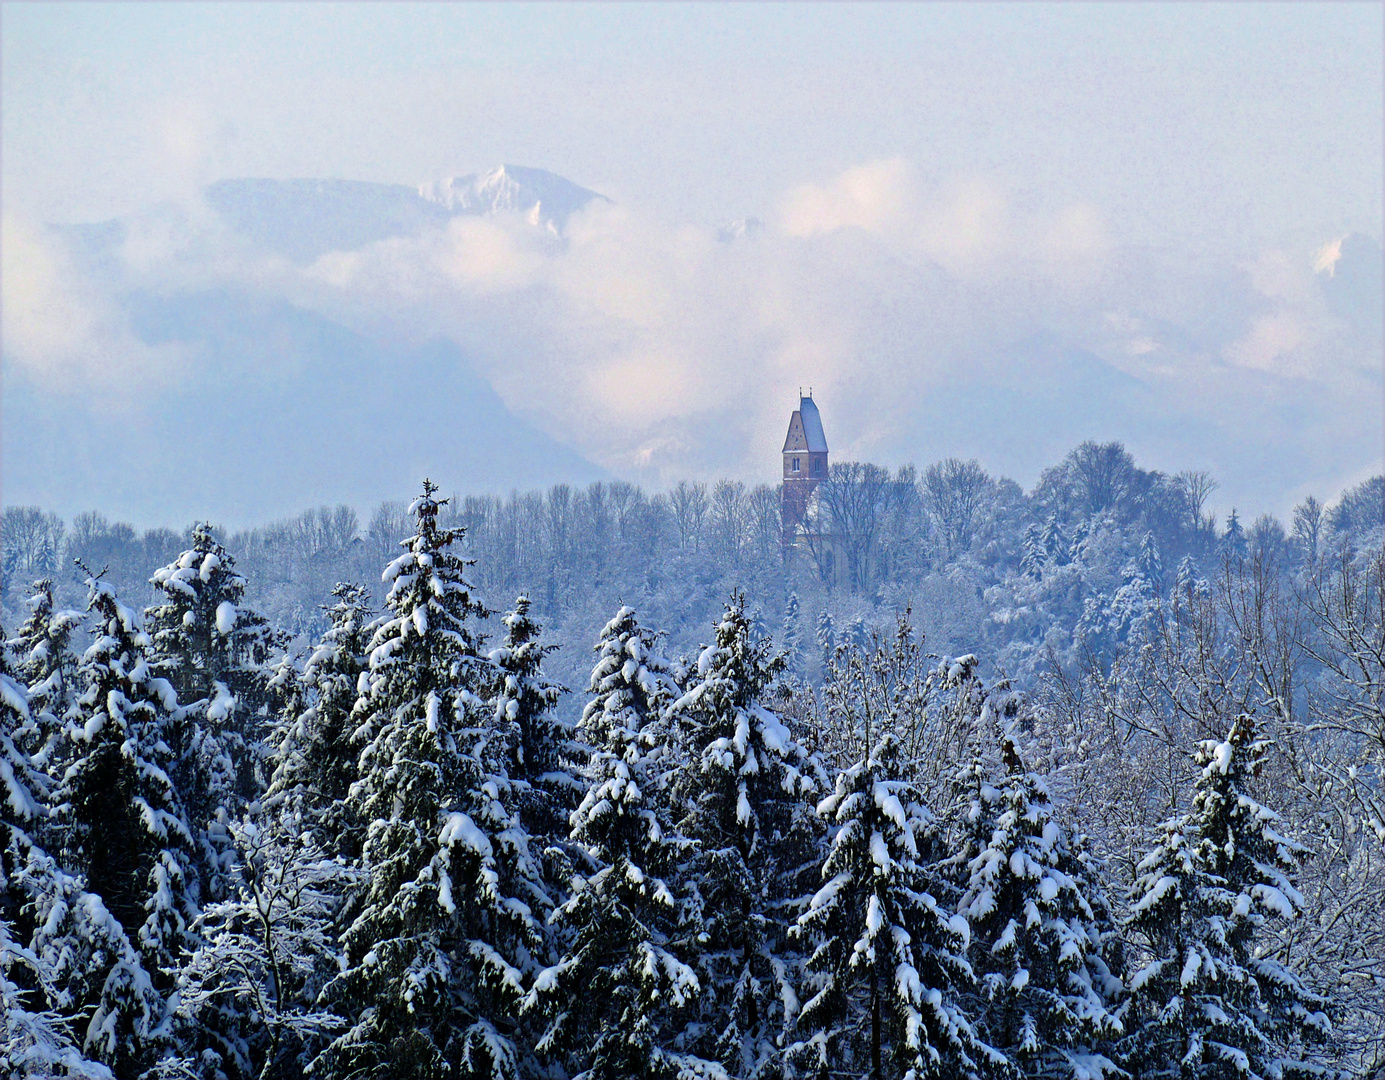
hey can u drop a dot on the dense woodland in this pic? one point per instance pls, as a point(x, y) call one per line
point(1078, 782)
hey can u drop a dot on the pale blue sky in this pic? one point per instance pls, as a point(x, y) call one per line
point(1237, 125)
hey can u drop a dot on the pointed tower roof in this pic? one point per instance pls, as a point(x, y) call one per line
point(812, 426)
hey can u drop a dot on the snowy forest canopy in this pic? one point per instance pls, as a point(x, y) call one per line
point(1073, 783)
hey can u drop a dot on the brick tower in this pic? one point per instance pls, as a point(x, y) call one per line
point(805, 464)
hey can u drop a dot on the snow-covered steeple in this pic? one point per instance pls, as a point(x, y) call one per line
point(805, 462)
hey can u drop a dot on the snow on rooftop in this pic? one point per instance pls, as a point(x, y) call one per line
point(812, 426)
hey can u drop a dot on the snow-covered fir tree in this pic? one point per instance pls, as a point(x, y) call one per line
point(36, 1043)
point(1150, 564)
point(1233, 539)
point(449, 921)
point(826, 636)
point(127, 832)
point(1188, 583)
point(888, 957)
point(746, 798)
point(631, 683)
point(214, 652)
point(1055, 541)
point(1034, 554)
point(618, 1001)
point(202, 633)
point(47, 666)
point(1210, 1000)
point(1042, 935)
point(541, 744)
point(314, 758)
point(792, 638)
point(58, 944)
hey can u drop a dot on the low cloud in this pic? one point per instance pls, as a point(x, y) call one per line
point(66, 332)
point(660, 351)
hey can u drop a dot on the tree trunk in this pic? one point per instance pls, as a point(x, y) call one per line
point(876, 1073)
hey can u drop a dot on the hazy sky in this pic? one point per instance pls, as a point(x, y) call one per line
point(1234, 124)
point(944, 185)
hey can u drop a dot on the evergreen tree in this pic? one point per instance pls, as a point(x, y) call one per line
point(1150, 565)
point(1055, 541)
point(1034, 554)
point(826, 635)
point(540, 742)
point(744, 800)
point(1211, 1001)
point(631, 683)
point(315, 761)
point(1233, 540)
point(203, 634)
point(1189, 582)
point(888, 957)
point(616, 1003)
point(1041, 929)
point(47, 666)
point(37, 1044)
point(213, 651)
point(73, 945)
point(23, 787)
point(793, 638)
point(448, 924)
point(128, 833)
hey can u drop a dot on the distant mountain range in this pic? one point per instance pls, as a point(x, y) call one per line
point(334, 417)
point(304, 219)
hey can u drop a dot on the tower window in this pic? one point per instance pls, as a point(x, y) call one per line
point(817, 467)
point(795, 464)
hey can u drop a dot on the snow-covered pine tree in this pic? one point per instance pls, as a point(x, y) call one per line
point(214, 652)
point(1188, 583)
point(631, 683)
point(888, 957)
point(792, 637)
point(314, 759)
point(24, 795)
point(1042, 935)
point(128, 835)
point(826, 636)
point(746, 799)
point(1233, 540)
point(71, 939)
point(36, 1043)
point(616, 1003)
point(541, 744)
point(47, 666)
point(1210, 1000)
point(203, 634)
point(449, 921)
point(1151, 564)
point(1033, 552)
point(1055, 541)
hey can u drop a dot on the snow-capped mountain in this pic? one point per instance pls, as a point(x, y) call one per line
point(545, 198)
point(304, 219)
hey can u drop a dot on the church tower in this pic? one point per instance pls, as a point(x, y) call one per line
point(805, 464)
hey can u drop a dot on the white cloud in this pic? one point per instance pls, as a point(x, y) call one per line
point(64, 331)
point(879, 197)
